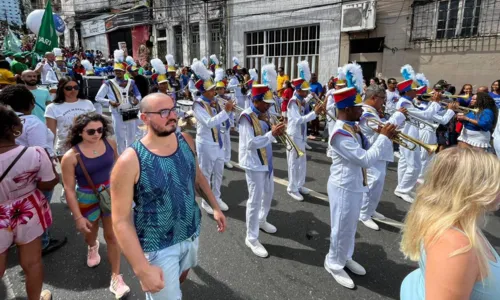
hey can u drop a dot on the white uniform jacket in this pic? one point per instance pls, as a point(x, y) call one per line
point(297, 121)
point(427, 114)
point(106, 94)
point(206, 122)
point(351, 155)
point(248, 154)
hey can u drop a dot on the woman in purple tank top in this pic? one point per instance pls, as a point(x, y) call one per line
point(88, 139)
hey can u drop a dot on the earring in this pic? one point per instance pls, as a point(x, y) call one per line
point(17, 133)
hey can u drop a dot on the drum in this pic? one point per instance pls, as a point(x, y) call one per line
point(129, 114)
point(91, 85)
point(185, 105)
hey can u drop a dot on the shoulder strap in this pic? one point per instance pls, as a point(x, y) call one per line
point(85, 173)
point(13, 163)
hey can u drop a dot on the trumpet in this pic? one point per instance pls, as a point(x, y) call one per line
point(325, 112)
point(223, 101)
point(405, 140)
point(427, 97)
point(285, 139)
point(420, 123)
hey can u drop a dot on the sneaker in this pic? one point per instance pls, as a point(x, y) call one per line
point(355, 267)
point(118, 286)
point(377, 215)
point(45, 295)
point(403, 196)
point(340, 276)
point(63, 196)
point(229, 165)
point(207, 207)
point(304, 191)
point(93, 257)
point(222, 205)
point(296, 196)
point(268, 227)
point(257, 248)
point(53, 245)
point(370, 224)
point(308, 147)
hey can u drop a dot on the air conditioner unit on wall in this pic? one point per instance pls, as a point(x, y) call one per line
point(358, 16)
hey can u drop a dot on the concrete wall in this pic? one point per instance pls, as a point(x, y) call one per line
point(459, 61)
point(245, 16)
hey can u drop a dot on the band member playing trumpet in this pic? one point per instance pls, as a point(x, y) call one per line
point(410, 164)
point(297, 129)
point(374, 100)
point(220, 89)
point(209, 141)
point(123, 96)
point(256, 158)
point(347, 183)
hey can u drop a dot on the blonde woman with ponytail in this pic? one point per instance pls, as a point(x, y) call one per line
point(443, 229)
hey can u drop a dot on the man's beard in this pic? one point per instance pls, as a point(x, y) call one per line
point(30, 83)
point(162, 132)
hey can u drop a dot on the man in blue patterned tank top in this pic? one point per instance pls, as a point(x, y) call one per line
point(160, 175)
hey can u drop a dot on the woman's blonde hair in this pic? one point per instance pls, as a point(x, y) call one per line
point(461, 186)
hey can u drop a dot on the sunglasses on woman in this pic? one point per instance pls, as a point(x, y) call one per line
point(93, 131)
point(74, 87)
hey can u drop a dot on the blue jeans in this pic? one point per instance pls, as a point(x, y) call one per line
point(173, 261)
point(45, 235)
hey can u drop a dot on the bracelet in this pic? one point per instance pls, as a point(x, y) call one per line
point(80, 217)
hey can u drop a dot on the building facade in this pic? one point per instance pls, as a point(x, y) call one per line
point(188, 29)
point(455, 40)
point(261, 32)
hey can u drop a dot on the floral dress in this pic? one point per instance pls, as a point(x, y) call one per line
point(24, 211)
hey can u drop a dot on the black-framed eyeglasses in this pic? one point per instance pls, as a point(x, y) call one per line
point(69, 88)
point(164, 113)
point(99, 130)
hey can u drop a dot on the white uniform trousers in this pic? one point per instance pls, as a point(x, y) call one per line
point(297, 167)
point(376, 179)
point(496, 145)
point(98, 107)
point(260, 195)
point(211, 160)
point(345, 207)
point(124, 131)
point(226, 141)
point(427, 137)
point(409, 167)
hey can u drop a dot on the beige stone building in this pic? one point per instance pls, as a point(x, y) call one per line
point(455, 40)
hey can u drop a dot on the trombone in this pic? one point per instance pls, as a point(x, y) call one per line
point(285, 139)
point(405, 140)
point(325, 112)
point(426, 97)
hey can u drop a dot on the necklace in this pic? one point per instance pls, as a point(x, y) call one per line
point(95, 152)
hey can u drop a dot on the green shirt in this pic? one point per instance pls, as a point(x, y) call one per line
point(141, 71)
point(18, 67)
point(42, 96)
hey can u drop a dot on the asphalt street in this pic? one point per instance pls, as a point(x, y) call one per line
point(228, 269)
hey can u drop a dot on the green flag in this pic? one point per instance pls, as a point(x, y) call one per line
point(47, 37)
point(11, 42)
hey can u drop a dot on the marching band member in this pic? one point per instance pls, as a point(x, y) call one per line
point(297, 130)
point(255, 156)
point(410, 164)
point(270, 79)
point(209, 141)
point(348, 181)
point(214, 63)
point(253, 80)
point(220, 89)
point(55, 71)
point(372, 105)
point(123, 96)
point(172, 81)
point(236, 83)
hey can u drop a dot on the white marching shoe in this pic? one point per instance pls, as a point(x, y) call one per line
point(257, 248)
point(340, 276)
point(268, 227)
point(355, 267)
point(304, 191)
point(308, 147)
point(296, 196)
point(378, 216)
point(405, 197)
point(370, 224)
point(229, 165)
point(207, 207)
point(222, 205)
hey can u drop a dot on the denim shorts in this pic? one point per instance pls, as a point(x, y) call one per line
point(173, 261)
